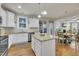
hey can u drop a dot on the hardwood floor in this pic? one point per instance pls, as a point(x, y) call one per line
point(26, 50)
point(64, 50)
point(21, 50)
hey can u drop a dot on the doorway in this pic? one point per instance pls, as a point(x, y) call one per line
point(67, 38)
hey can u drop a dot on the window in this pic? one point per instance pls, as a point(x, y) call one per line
point(22, 22)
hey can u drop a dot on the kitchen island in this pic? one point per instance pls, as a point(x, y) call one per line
point(43, 45)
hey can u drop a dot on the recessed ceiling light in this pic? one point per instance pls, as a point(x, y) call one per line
point(44, 12)
point(19, 7)
point(39, 16)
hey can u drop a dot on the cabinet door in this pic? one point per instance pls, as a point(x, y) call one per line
point(37, 48)
point(33, 22)
point(17, 38)
point(3, 17)
point(20, 38)
point(10, 19)
point(48, 48)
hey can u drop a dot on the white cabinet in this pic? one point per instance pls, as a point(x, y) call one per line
point(7, 18)
point(18, 38)
point(10, 19)
point(3, 17)
point(43, 48)
point(36, 46)
point(48, 48)
point(33, 22)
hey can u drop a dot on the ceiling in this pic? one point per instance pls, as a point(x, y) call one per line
point(54, 10)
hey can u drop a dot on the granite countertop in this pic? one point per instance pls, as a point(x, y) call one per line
point(20, 32)
point(42, 38)
point(3, 37)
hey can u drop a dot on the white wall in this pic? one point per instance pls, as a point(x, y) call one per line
point(9, 30)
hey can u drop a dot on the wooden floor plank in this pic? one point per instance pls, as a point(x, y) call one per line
point(26, 50)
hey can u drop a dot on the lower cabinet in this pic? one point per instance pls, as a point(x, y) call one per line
point(45, 48)
point(18, 38)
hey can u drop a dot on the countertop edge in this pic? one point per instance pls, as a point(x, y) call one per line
point(42, 40)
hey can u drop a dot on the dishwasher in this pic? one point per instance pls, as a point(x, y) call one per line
point(30, 36)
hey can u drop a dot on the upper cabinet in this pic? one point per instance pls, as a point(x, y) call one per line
point(2, 17)
point(22, 22)
point(33, 22)
point(6, 18)
point(10, 19)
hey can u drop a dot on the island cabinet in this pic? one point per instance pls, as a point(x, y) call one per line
point(36, 46)
point(43, 46)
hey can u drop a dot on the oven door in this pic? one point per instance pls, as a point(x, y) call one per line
point(3, 46)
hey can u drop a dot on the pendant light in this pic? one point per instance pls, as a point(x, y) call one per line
point(44, 12)
point(39, 16)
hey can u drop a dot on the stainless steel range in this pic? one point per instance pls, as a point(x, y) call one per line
point(3, 45)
